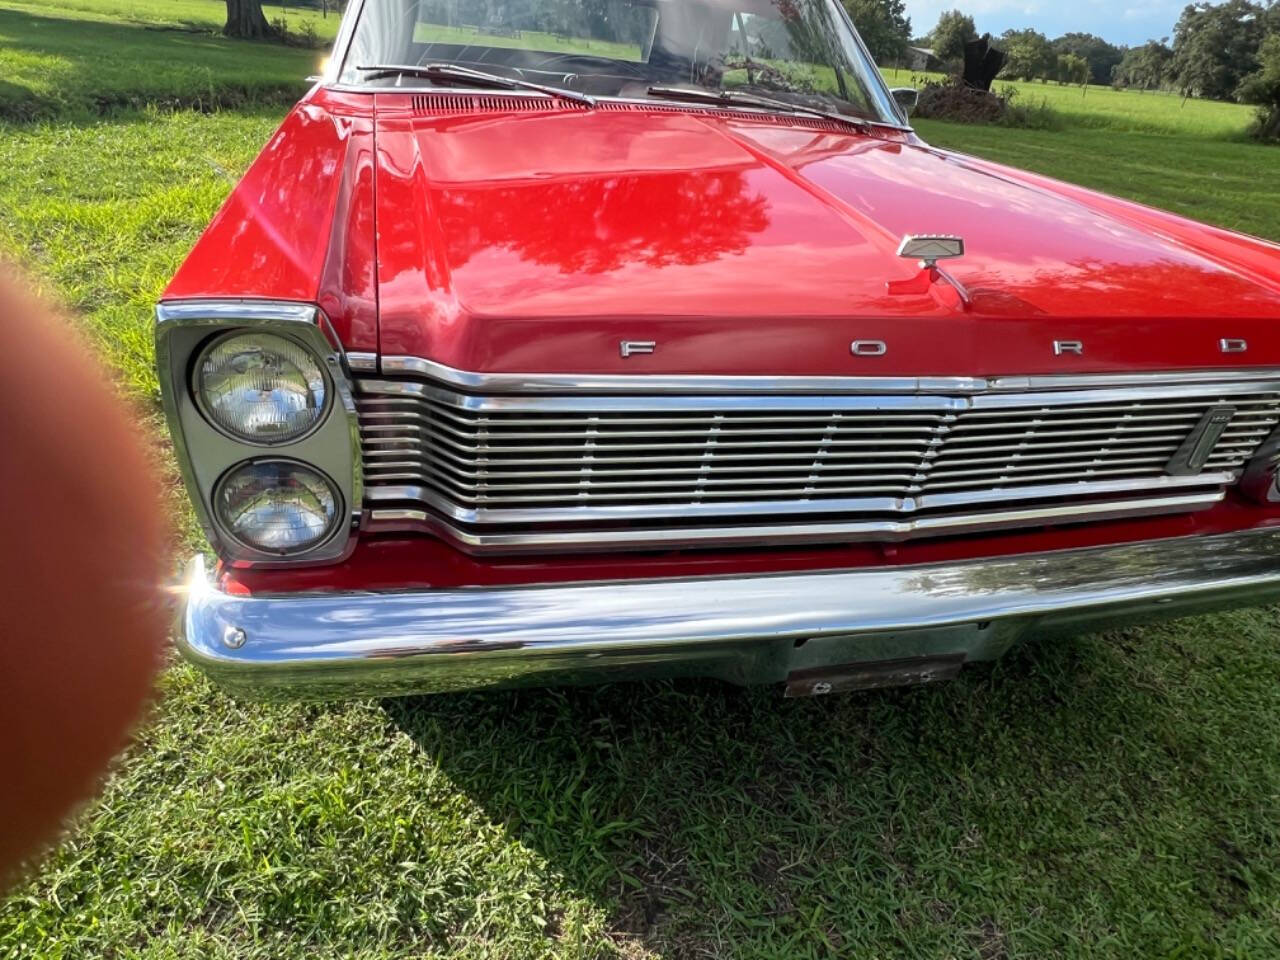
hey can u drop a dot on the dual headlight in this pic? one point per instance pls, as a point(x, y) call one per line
point(260, 388)
point(268, 390)
point(276, 506)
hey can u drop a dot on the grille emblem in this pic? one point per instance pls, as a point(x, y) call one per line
point(629, 347)
point(1193, 453)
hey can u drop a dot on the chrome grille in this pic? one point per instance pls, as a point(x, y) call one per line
point(484, 464)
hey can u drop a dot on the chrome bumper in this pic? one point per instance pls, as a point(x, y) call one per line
point(752, 629)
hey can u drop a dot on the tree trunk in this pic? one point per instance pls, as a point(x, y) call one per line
point(981, 63)
point(1269, 129)
point(246, 21)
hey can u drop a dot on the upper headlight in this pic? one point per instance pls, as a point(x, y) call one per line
point(261, 388)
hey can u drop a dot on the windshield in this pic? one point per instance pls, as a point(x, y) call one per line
point(801, 52)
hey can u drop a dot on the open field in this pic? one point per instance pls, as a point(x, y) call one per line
point(68, 66)
point(1128, 111)
point(202, 15)
point(1219, 181)
point(1110, 796)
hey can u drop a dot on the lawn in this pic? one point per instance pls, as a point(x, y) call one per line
point(1232, 184)
point(1111, 796)
point(203, 15)
point(67, 65)
point(1128, 111)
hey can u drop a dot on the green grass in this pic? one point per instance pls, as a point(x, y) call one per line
point(105, 211)
point(202, 15)
point(60, 66)
point(1125, 111)
point(1109, 796)
point(1219, 181)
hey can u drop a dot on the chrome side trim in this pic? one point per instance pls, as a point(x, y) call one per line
point(220, 311)
point(740, 628)
point(342, 42)
point(360, 362)
point(633, 538)
point(205, 453)
point(641, 383)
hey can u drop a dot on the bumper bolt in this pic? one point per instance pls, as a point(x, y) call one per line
point(234, 638)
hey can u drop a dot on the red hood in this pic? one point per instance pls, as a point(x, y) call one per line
point(750, 247)
point(536, 241)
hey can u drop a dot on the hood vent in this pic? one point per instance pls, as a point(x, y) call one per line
point(446, 104)
point(439, 104)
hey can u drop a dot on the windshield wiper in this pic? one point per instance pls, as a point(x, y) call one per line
point(734, 98)
point(451, 71)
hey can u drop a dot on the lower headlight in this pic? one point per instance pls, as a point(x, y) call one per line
point(277, 506)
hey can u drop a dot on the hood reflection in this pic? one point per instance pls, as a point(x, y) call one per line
point(597, 225)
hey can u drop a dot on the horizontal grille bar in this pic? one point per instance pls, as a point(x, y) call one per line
point(792, 532)
point(488, 462)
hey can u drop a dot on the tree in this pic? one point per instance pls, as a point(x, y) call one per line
point(1029, 55)
point(1073, 69)
point(1102, 56)
point(953, 31)
point(1216, 47)
point(246, 20)
point(1263, 88)
point(982, 63)
point(1146, 67)
point(884, 26)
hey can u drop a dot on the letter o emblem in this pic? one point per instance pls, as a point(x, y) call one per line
point(868, 348)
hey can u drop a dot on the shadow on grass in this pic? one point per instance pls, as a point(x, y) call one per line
point(67, 69)
point(946, 815)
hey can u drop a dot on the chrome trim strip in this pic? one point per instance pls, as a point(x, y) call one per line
point(342, 42)
point(276, 311)
point(888, 106)
point(388, 492)
point(640, 383)
point(361, 362)
point(740, 628)
point(693, 402)
point(931, 397)
point(795, 533)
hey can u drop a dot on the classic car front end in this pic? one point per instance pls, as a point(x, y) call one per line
point(652, 341)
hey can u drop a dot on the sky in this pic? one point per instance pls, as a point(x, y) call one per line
point(1119, 21)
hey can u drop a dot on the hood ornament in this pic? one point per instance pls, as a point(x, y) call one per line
point(927, 249)
point(930, 248)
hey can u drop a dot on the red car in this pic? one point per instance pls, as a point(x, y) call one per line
point(549, 343)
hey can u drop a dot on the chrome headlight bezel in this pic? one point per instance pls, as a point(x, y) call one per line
point(184, 330)
point(198, 393)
